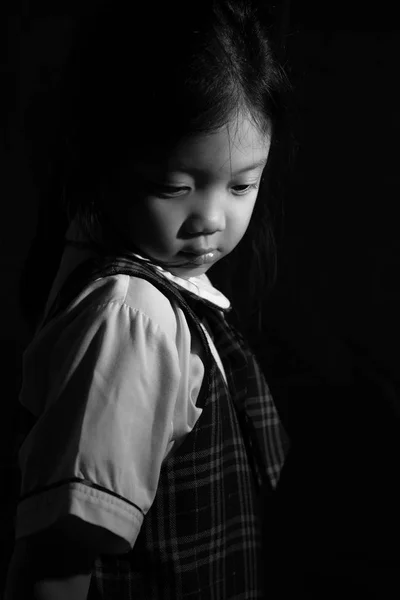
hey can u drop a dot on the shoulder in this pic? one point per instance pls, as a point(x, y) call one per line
point(145, 297)
point(136, 296)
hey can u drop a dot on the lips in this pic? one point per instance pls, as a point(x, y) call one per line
point(200, 256)
point(198, 251)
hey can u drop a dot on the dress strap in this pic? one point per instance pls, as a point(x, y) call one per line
point(267, 440)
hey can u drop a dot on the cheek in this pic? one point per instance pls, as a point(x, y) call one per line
point(132, 217)
point(163, 216)
point(250, 209)
point(156, 223)
point(243, 215)
point(239, 222)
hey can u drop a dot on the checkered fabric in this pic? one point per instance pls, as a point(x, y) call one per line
point(201, 539)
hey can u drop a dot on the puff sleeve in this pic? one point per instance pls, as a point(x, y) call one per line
point(106, 421)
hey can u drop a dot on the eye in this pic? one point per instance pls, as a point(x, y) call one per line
point(241, 190)
point(169, 191)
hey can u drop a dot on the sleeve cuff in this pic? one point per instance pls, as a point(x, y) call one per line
point(39, 511)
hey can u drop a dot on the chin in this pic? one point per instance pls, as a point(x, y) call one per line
point(189, 271)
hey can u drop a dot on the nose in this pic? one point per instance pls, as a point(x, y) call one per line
point(207, 216)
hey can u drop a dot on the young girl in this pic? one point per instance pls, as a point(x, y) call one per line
point(155, 442)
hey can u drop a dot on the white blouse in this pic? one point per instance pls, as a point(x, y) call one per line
point(114, 381)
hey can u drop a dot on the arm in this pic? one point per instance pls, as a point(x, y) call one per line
point(54, 565)
point(22, 582)
point(62, 567)
point(73, 588)
point(106, 442)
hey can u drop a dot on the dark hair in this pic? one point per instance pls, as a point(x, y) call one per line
point(135, 83)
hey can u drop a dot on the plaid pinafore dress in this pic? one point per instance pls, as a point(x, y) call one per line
point(202, 537)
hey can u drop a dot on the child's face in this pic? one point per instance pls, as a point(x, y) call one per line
point(194, 209)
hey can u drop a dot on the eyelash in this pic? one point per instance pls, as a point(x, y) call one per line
point(248, 187)
point(166, 191)
point(169, 191)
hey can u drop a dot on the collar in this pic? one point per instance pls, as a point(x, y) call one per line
point(201, 286)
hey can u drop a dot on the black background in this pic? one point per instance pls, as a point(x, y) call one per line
point(330, 345)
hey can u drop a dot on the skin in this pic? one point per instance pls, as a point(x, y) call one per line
point(56, 564)
point(201, 197)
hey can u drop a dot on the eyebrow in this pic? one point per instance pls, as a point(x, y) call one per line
point(189, 169)
point(260, 163)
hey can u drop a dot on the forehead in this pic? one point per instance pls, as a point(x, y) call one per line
point(233, 148)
